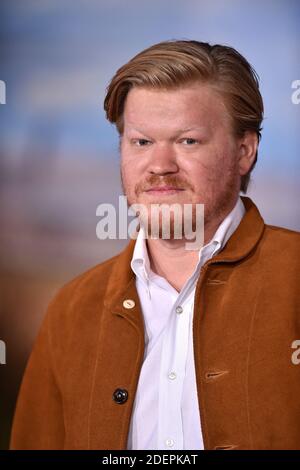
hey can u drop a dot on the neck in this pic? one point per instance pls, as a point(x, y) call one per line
point(170, 258)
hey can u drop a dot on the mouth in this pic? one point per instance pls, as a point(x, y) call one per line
point(163, 190)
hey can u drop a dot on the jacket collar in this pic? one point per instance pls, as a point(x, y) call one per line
point(246, 236)
point(121, 284)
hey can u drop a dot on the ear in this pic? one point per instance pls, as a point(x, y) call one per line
point(247, 151)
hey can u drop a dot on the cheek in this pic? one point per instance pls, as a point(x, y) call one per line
point(200, 165)
point(130, 174)
point(210, 166)
point(220, 156)
point(133, 167)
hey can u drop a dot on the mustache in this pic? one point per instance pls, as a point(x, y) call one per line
point(159, 181)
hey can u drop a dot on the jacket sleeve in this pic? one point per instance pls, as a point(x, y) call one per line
point(38, 421)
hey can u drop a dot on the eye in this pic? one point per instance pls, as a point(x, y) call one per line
point(189, 141)
point(141, 142)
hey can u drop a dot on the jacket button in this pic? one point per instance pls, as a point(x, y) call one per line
point(120, 395)
point(128, 303)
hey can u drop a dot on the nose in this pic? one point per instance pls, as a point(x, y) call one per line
point(162, 160)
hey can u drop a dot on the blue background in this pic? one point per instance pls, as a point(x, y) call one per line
point(59, 156)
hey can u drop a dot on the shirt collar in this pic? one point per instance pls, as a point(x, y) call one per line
point(140, 263)
point(228, 226)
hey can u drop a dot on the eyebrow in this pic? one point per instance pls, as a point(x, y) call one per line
point(194, 128)
point(178, 131)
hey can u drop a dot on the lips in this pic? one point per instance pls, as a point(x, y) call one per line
point(164, 190)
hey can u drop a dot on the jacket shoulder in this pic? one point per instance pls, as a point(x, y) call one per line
point(286, 232)
point(95, 274)
point(282, 234)
point(279, 243)
point(76, 299)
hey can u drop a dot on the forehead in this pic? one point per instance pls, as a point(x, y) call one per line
point(186, 106)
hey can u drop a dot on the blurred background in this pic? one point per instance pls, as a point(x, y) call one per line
point(59, 156)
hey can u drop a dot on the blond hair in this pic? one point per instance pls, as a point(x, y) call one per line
point(171, 64)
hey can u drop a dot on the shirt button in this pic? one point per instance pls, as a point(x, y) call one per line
point(172, 375)
point(179, 309)
point(169, 442)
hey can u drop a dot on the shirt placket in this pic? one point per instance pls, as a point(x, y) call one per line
point(172, 375)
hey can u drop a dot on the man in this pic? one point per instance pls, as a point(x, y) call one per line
point(162, 347)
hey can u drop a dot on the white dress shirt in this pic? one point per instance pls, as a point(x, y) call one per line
point(166, 409)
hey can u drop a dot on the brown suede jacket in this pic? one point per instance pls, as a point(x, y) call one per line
point(246, 317)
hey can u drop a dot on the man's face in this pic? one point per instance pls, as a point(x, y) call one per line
point(178, 147)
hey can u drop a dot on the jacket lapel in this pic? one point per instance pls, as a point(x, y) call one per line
point(119, 358)
point(224, 314)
